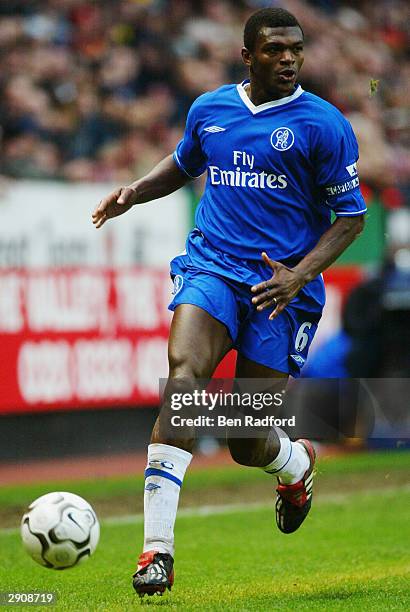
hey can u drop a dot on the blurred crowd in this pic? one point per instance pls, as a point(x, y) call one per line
point(100, 90)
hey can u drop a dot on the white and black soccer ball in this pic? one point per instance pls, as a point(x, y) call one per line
point(60, 530)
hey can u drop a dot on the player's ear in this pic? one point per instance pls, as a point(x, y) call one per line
point(246, 56)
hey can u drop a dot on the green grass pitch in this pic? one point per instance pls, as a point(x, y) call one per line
point(351, 554)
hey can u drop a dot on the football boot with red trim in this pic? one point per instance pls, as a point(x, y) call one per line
point(293, 501)
point(155, 573)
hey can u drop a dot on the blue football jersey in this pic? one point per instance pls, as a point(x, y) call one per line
point(275, 171)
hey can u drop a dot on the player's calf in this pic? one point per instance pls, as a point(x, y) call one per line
point(166, 466)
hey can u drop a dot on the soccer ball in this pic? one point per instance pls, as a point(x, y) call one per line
point(59, 530)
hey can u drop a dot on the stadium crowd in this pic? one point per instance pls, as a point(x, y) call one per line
point(99, 90)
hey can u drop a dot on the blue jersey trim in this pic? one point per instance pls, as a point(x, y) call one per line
point(155, 472)
point(179, 164)
point(351, 214)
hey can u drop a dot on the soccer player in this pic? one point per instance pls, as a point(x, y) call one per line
point(279, 160)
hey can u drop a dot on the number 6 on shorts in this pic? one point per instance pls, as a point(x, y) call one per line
point(301, 337)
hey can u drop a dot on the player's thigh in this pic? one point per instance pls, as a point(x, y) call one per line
point(197, 342)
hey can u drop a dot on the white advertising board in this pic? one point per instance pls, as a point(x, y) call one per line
point(48, 224)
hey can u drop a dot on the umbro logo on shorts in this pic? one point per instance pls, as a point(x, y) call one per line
point(214, 129)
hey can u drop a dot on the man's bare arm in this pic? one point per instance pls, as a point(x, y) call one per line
point(287, 282)
point(163, 179)
point(330, 246)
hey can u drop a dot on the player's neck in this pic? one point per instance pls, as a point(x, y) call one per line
point(258, 95)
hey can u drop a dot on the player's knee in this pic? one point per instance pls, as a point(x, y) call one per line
point(241, 450)
point(188, 367)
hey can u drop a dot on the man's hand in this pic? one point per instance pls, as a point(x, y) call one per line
point(279, 290)
point(117, 203)
point(163, 179)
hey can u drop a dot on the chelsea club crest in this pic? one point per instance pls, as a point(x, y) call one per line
point(282, 139)
point(178, 282)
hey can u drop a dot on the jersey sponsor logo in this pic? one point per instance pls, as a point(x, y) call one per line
point(352, 169)
point(239, 178)
point(214, 129)
point(282, 139)
point(334, 190)
point(178, 282)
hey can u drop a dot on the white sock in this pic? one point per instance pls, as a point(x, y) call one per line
point(291, 462)
point(164, 474)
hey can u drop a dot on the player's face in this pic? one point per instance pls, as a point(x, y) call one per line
point(276, 60)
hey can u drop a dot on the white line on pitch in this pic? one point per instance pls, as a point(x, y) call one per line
point(217, 509)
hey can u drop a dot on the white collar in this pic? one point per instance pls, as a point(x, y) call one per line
point(261, 107)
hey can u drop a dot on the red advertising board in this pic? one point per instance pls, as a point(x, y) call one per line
point(86, 337)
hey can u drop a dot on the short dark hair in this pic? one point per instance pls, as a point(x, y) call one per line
point(270, 18)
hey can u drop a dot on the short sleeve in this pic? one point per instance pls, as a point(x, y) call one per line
point(188, 154)
point(335, 156)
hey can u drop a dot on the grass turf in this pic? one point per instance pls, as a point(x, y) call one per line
point(351, 554)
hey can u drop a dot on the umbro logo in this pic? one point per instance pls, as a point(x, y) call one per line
point(151, 486)
point(298, 359)
point(214, 129)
